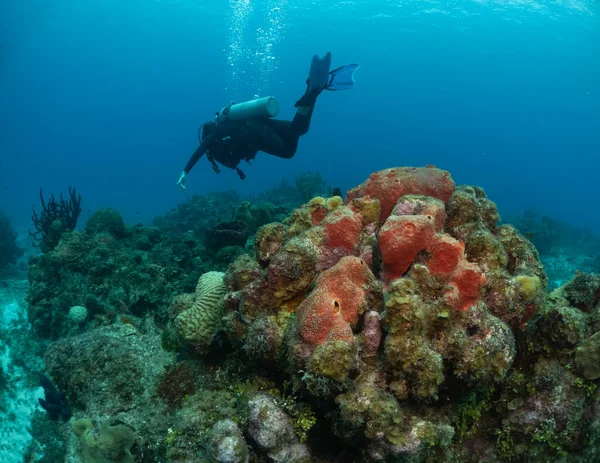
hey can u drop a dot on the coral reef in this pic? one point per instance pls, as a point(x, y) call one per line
point(198, 214)
point(258, 213)
point(106, 220)
point(132, 271)
point(548, 404)
point(309, 184)
point(202, 213)
point(402, 324)
point(564, 249)
point(55, 218)
point(234, 233)
point(107, 367)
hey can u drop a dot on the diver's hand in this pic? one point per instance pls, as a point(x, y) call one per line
point(181, 181)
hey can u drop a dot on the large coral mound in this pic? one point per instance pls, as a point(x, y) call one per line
point(409, 287)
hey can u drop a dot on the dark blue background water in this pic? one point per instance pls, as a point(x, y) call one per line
point(108, 95)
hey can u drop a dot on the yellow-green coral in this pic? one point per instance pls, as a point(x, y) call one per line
point(471, 409)
point(334, 202)
point(268, 240)
point(113, 443)
point(368, 407)
point(368, 208)
point(485, 249)
point(547, 434)
point(411, 357)
point(242, 271)
point(413, 365)
point(296, 261)
point(588, 386)
point(529, 287)
point(505, 444)
point(316, 202)
point(298, 222)
point(198, 324)
point(303, 419)
point(333, 360)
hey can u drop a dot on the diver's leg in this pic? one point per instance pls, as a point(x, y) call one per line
point(275, 140)
point(301, 122)
point(283, 140)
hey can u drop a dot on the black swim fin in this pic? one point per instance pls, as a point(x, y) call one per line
point(320, 78)
point(317, 79)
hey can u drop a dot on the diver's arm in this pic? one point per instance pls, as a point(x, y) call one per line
point(193, 160)
point(197, 154)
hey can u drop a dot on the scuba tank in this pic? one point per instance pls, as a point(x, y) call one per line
point(261, 108)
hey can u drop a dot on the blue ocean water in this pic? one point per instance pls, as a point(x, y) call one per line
point(108, 95)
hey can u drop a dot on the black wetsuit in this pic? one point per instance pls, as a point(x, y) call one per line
point(232, 142)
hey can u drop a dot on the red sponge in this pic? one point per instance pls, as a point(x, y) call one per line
point(400, 240)
point(390, 184)
point(334, 306)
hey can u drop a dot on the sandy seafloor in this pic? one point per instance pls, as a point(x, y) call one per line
point(21, 399)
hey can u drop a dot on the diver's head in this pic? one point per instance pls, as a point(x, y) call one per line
point(208, 129)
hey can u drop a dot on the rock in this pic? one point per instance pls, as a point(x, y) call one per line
point(588, 357)
point(226, 443)
point(273, 432)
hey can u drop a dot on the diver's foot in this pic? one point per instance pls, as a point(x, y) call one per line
point(317, 79)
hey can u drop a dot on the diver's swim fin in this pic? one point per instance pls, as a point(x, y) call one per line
point(317, 79)
point(320, 78)
point(341, 78)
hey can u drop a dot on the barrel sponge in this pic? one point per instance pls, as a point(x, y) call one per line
point(198, 324)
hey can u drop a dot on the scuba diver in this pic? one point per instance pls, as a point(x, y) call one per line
point(240, 131)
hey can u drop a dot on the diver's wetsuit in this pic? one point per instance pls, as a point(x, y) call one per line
point(229, 142)
point(232, 142)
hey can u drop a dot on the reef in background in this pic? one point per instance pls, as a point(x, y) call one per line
point(563, 249)
point(401, 323)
